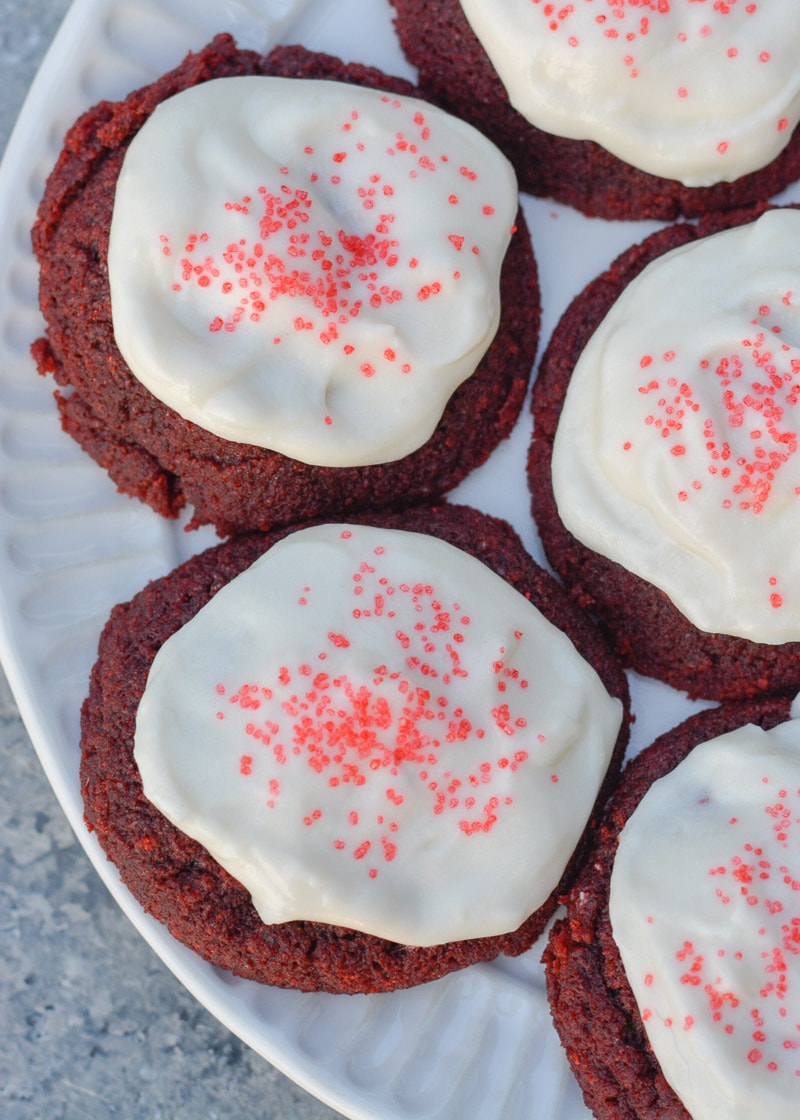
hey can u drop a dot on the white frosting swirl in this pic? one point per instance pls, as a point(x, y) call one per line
point(372, 729)
point(308, 266)
point(705, 905)
point(676, 452)
point(685, 89)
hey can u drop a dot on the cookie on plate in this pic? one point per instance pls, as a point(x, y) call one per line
point(621, 110)
point(352, 757)
point(280, 287)
point(672, 976)
point(664, 472)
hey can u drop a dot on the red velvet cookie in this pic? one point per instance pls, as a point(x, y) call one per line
point(593, 1006)
point(180, 883)
point(647, 631)
point(455, 72)
point(149, 450)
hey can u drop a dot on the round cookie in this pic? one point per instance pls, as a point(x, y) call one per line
point(593, 1005)
point(456, 72)
point(645, 627)
point(152, 452)
point(176, 879)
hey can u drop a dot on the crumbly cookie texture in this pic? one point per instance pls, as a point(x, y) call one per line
point(149, 450)
point(175, 878)
point(648, 632)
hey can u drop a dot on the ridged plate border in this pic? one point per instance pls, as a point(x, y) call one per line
point(478, 1043)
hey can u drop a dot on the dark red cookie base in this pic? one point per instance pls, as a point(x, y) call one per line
point(645, 630)
point(152, 453)
point(592, 1004)
point(455, 72)
point(177, 881)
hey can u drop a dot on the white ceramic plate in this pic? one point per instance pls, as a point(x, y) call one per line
point(478, 1043)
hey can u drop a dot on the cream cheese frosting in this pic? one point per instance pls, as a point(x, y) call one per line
point(370, 728)
point(676, 451)
point(308, 266)
point(690, 90)
point(705, 909)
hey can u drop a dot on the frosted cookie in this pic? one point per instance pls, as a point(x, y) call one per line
point(672, 977)
point(663, 471)
point(325, 300)
point(352, 757)
point(623, 110)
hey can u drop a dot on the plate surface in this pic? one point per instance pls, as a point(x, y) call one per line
point(477, 1043)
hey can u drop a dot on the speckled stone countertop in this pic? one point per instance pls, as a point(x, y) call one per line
point(93, 1026)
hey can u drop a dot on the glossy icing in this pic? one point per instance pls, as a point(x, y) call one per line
point(704, 909)
point(372, 729)
point(691, 90)
point(308, 266)
point(676, 452)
